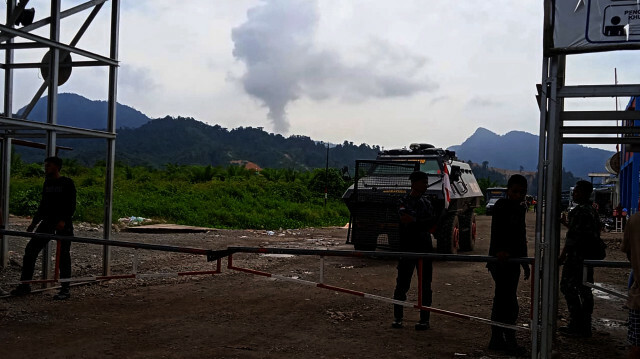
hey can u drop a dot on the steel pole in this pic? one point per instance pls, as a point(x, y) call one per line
point(111, 128)
point(6, 178)
point(52, 111)
point(6, 148)
point(552, 212)
point(539, 245)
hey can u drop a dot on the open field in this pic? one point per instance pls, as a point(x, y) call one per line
point(240, 315)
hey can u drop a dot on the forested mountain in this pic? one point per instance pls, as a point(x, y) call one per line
point(186, 141)
point(519, 150)
point(77, 111)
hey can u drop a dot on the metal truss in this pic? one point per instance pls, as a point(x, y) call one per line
point(556, 129)
point(56, 68)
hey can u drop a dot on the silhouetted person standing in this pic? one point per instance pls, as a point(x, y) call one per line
point(583, 225)
point(631, 246)
point(416, 219)
point(53, 216)
point(508, 240)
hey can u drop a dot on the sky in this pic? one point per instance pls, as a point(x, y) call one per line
point(365, 71)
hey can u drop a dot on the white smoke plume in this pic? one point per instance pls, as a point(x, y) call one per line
point(283, 62)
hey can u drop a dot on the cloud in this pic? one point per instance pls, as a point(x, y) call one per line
point(284, 62)
point(478, 101)
point(437, 99)
point(135, 79)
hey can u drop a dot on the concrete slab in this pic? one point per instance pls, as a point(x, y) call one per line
point(167, 228)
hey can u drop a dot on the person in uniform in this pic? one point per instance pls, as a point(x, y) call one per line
point(57, 206)
point(416, 220)
point(631, 246)
point(508, 240)
point(583, 223)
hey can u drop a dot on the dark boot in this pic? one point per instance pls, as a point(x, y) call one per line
point(585, 328)
point(424, 320)
point(575, 329)
point(63, 294)
point(21, 289)
point(398, 313)
point(512, 347)
point(397, 323)
point(497, 341)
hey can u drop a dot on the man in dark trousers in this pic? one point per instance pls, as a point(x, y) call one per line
point(416, 219)
point(508, 240)
point(54, 214)
point(583, 224)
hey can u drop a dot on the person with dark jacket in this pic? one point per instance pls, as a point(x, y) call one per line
point(583, 224)
point(416, 219)
point(631, 246)
point(508, 240)
point(57, 206)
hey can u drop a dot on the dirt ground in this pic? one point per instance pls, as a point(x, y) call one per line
point(241, 315)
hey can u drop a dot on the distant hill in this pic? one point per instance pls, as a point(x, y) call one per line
point(77, 111)
point(157, 142)
point(517, 148)
point(185, 141)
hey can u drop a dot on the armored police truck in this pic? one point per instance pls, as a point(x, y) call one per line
point(493, 195)
point(379, 184)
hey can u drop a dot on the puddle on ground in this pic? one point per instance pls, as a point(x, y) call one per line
point(610, 323)
point(607, 296)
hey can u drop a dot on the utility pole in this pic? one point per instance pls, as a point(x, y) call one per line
point(326, 177)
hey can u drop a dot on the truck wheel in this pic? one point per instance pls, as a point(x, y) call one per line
point(448, 235)
point(467, 232)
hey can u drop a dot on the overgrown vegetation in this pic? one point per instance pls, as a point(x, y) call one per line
point(219, 197)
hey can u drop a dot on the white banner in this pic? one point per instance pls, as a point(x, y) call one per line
point(590, 25)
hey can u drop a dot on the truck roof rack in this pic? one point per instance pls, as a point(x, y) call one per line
point(420, 149)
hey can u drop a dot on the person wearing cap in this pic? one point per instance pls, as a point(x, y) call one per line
point(416, 217)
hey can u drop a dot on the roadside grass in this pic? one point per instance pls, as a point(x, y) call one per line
point(205, 196)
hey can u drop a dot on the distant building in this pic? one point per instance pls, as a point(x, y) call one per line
point(247, 165)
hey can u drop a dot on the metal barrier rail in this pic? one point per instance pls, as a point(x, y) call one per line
point(607, 264)
point(210, 254)
point(603, 264)
point(217, 255)
point(375, 255)
point(124, 276)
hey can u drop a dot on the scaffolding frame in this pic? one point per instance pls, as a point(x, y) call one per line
point(58, 67)
point(555, 131)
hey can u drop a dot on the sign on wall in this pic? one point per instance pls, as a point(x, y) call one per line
point(596, 25)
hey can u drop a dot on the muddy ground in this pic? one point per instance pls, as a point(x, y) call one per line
point(241, 315)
